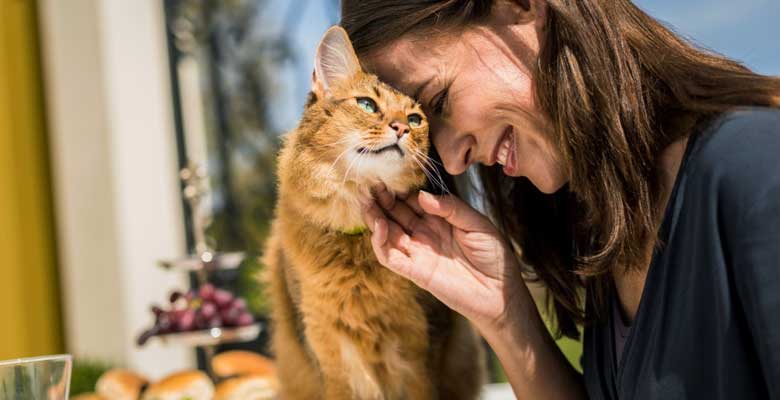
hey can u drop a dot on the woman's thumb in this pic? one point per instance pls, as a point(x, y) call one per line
point(455, 211)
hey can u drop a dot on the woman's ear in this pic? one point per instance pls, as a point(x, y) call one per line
point(539, 10)
point(335, 61)
point(521, 11)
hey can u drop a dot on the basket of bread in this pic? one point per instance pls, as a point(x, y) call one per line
point(239, 375)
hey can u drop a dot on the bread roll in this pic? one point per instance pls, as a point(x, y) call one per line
point(88, 396)
point(238, 362)
point(120, 384)
point(191, 385)
point(247, 387)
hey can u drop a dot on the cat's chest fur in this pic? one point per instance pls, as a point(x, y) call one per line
point(376, 322)
point(342, 271)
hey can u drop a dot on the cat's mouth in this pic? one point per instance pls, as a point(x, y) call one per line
point(392, 147)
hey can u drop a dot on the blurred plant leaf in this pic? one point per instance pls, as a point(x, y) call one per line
point(85, 375)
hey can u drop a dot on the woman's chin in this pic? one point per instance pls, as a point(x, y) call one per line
point(546, 174)
point(546, 184)
point(551, 186)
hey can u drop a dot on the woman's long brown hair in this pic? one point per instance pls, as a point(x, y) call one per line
point(618, 88)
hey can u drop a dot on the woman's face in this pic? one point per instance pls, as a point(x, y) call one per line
point(477, 88)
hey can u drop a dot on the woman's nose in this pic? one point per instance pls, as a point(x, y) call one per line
point(456, 154)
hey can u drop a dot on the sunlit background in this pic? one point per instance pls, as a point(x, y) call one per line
point(103, 102)
point(745, 30)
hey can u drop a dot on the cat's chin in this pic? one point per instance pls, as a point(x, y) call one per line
point(383, 165)
point(388, 168)
point(362, 189)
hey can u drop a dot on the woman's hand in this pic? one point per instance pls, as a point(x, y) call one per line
point(454, 252)
point(449, 249)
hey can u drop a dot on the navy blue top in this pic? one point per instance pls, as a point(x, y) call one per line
point(708, 323)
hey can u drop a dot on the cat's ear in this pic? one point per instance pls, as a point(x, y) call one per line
point(335, 61)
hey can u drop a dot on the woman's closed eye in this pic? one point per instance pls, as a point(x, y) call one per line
point(439, 102)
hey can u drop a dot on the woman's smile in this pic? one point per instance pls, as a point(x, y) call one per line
point(506, 152)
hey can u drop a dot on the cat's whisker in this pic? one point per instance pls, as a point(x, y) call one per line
point(431, 178)
point(339, 142)
point(344, 139)
point(351, 163)
point(422, 168)
point(361, 143)
point(423, 157)
point(436, 179)
point(361, 157)
point(333, 165)
point(429, 160)
point(335, 144)
point(434, 161)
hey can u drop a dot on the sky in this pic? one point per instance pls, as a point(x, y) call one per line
point(746, 30)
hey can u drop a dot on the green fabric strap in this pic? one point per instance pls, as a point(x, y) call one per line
point(356, 231)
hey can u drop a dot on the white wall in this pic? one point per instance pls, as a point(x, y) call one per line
point(115, 174)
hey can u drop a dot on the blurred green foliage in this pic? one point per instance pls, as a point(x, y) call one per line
point(251, 286)
point(572, 349)
point(85, 375)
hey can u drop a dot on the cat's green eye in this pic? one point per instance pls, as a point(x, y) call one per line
point(367, 104)
point(415, 120)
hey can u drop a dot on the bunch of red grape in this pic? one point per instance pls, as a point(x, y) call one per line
point(206, 308)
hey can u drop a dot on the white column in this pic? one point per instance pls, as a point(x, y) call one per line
point(114, 166)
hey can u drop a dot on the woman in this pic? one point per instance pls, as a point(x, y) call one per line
point(636, 176)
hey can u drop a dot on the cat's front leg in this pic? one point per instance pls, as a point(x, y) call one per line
point(420, 387)
point(462, 372)
point(419, 384)
point(405, 359)
point(345, 374)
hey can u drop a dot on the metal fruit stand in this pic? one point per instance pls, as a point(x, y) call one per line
point(204, 261)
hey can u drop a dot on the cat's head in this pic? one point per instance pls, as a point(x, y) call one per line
point(362, 130)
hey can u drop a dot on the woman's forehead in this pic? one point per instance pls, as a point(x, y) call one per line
point(408, 62)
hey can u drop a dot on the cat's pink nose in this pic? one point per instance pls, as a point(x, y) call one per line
point(400, 128)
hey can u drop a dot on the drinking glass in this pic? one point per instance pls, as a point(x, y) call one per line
point(38, 378)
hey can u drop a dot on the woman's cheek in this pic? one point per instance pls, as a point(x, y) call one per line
point(540, 166)
point(471, 112)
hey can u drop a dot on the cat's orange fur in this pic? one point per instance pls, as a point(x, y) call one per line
point(344, 327)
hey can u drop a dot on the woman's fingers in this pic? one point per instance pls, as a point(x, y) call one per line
point(389, 242)
point(413, 202)
point(400, 211)
point(455, 211)
point(378, 227)
point(385, 232)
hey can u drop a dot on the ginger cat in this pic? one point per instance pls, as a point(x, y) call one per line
point(345, 327)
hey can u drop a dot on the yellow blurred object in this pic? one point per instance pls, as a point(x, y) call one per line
point(120, 384)
point(241, 362)
point(88, 396)
point(247, 387)
point(29, 296)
